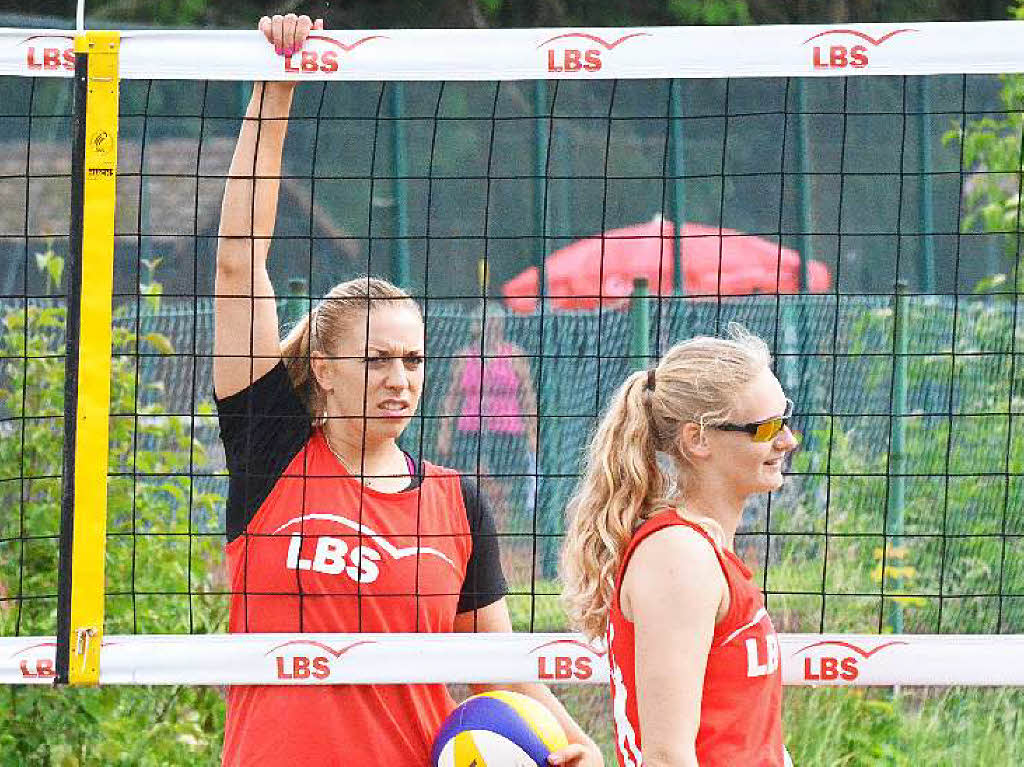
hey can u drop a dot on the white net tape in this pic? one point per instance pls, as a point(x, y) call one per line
point(530, 54)
point(806, 659)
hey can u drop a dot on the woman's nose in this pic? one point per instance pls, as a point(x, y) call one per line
point(788, 439)
point(396, 377)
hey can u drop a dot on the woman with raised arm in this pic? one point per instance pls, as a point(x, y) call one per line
point(331, 526)
point(649, 558)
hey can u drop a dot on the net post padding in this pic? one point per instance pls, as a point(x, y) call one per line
point(84, 513)
point(290, 659)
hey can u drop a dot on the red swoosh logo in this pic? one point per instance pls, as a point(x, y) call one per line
point(600, 41)
point(321, 645)
point(344, 47)
point(863, 653)
point(857, 33)
point(46, 37)
point(33, 647)
point(584, 645)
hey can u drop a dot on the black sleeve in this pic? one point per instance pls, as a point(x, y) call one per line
point(485, 582)
point(262, 427)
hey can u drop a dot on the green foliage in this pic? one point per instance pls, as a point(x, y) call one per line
point(843, 727)
point(123, 726)
point(149, 549)
point(961, 482)
point(991, 149)
point(714, 12)
point(540, 611)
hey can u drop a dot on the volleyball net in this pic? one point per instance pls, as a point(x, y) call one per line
point(564, 205)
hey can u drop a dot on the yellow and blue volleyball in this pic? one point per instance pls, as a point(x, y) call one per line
point(498, 729)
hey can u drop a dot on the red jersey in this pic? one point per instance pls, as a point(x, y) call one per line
point(741, 704)
point(318, 551)
point(326, 554)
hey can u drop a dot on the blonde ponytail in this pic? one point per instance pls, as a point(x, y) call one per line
point(622, 487)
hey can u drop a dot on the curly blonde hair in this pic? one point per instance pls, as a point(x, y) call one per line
point(697, 381)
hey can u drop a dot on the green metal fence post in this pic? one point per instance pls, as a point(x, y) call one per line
point(639, 325)
point(803, 187)
point(925, 212)
point(897, 457)
point(547, 511)
point(400, 268)
point(677, 188)
point(540, 167)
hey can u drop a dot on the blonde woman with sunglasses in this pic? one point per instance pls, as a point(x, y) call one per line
point(649, 558)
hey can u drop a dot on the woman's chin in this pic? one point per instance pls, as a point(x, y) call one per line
point(389, 428)
point(771, 480)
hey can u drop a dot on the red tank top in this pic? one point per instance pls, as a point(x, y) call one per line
point(741, 705)
point(326, 554)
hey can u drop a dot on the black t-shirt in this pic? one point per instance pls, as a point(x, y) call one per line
point(264, 427)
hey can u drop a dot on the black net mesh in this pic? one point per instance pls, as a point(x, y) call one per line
point(453, 190)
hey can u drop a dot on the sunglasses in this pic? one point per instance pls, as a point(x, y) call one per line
point(763, 431)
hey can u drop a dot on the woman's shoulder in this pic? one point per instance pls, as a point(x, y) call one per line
point(430, 469)
point(672, 564)
point(670, 537)
point(666, 540)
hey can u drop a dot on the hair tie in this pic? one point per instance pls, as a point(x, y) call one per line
point(650, 380)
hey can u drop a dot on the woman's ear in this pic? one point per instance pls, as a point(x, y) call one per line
point(693, 442)
point(319, 365)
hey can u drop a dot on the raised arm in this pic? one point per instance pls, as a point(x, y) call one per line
point(246, 339)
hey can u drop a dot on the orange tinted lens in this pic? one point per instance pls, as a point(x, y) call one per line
point(768, 430)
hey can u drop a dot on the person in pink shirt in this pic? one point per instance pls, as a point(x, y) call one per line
point(493, 404)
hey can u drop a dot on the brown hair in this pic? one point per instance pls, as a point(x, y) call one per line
point(697, 381)
point(330, 319)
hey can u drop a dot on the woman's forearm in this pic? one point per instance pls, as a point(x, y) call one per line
point(250, 195)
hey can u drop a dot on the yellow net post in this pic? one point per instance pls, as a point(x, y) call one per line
point(87, 387)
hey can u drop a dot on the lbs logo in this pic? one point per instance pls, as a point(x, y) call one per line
point(565, 667)
point(42, 667)
point(308, 660)
point(39, 664)
point(333, 555)
point(837, 665)
point(840, 55)
point(49, 53)
point(581, 56)
point(321, 54)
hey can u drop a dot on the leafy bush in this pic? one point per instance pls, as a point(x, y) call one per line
point(962, 473)
point(149, 550)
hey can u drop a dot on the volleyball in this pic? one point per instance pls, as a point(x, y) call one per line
point(498, 729)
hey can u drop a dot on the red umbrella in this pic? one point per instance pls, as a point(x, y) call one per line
point(717, 262)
